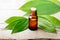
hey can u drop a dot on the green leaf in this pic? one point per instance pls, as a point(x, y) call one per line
point(14, 18)
point(44, 7)
point(13, 21)
point(46, 25)
point(20, 26)
point(51, 19)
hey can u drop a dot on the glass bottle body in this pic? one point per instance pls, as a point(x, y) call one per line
point(33, 22)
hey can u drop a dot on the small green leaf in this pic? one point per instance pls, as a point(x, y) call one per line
point(20, 26)
point(51, 19)
point(46, 25)
point(44, 7)
point(14, 18)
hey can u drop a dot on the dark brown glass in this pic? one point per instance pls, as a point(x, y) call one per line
point(33, 20)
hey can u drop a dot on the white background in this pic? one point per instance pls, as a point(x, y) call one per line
point(9, 8)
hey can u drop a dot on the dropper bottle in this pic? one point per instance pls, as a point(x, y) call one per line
point(33, 19)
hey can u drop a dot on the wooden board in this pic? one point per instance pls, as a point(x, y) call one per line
point(27, 34)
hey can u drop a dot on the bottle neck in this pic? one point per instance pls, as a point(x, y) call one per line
point(33, 13)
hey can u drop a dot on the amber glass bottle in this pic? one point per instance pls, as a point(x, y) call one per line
point(33, 19)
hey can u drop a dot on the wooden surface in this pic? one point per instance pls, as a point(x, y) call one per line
point(27, 34)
